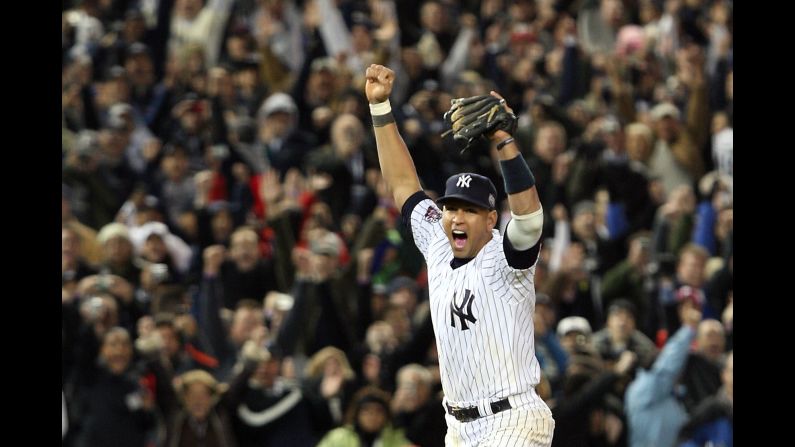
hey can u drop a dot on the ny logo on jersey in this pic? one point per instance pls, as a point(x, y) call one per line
point(458, 310)
point(463, 181)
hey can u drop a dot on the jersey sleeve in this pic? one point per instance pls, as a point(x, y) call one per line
point(515, 272)
point(520, 259)
point(424, 220)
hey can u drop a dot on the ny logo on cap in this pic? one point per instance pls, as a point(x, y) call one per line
point(464, 181)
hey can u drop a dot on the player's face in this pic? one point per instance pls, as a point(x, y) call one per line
point(468, 227)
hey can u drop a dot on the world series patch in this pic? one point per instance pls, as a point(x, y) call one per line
point(433, 214)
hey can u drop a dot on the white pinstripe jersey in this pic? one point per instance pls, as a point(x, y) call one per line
point(482, 314)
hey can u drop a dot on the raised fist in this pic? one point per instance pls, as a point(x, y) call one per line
point(379, 83)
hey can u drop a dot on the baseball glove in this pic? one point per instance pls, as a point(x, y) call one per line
point(475, 117)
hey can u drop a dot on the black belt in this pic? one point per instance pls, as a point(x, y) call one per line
point(469, 414)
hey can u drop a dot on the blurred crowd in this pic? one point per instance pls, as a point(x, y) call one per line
point(235, 272)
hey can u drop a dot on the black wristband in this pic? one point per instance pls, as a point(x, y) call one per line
point(516, 175)
point(382, 120)
point(504, 142)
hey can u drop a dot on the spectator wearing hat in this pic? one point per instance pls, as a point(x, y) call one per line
point(155, 243)
point(620, 334)
point(368, 421)
point(200, 419)
point(574, 334)
point(117, 253)
point(281, 144)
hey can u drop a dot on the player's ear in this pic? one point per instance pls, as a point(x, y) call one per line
point(491, 220)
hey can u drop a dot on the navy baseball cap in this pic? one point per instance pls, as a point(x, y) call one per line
point(472, 188)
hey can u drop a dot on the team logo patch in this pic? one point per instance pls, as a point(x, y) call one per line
point(433, 214)
point(491, 201)
point(463, 181)
point(459, 311)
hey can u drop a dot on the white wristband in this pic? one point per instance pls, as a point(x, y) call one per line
point(382, 108)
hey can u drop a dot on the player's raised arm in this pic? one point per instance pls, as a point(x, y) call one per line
point(397, 166)
point(488, 115)
point(527, 216)
point(519, 181)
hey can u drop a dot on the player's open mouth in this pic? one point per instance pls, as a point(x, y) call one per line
point(459, 239)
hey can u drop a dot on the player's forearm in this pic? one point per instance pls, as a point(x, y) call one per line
point(521, 200)
point(524, 229)
point(397, 167)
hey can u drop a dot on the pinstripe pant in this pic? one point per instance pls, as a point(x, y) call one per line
point(529, 425)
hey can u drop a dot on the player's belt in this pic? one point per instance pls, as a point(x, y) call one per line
point(469, 414)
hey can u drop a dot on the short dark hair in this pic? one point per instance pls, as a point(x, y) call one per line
point(366, 395)
point(622, 304)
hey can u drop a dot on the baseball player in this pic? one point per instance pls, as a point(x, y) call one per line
point(480, 282)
